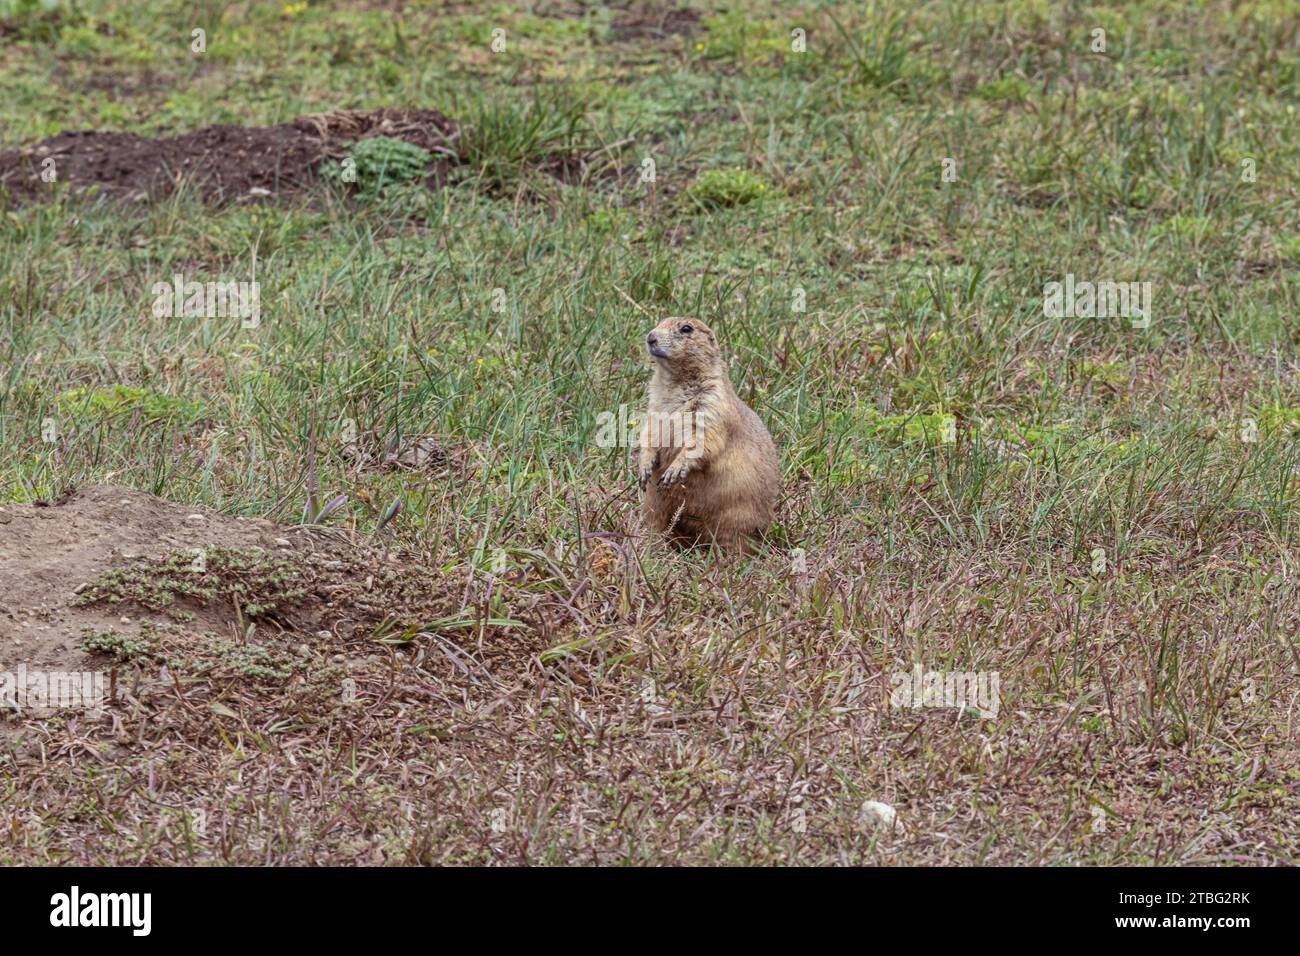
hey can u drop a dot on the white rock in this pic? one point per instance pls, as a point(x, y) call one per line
point(880, 814)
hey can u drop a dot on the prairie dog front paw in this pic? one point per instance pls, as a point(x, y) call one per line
point(649, 462)
point(673, 474)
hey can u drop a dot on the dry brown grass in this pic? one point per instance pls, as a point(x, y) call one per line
point(655, 708)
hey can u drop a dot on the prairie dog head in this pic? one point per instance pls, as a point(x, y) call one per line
point(684, 346)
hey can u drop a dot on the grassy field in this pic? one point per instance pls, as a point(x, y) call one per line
point(1103, 515)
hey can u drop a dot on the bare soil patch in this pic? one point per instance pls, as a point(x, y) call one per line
point(225, 163)
point(654, 23)
point(240, 164)
point(111, 560)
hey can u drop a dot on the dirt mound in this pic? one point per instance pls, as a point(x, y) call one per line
point(47, 552)
point(225, 163)
point(124, 566)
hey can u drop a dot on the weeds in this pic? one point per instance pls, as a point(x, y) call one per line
point(257, 583)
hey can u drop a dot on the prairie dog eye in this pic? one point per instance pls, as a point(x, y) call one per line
point(686, 329)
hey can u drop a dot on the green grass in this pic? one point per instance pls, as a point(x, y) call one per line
point(799, 207)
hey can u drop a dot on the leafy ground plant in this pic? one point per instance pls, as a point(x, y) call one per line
point(376, 163)
point(258, 583)
point(720, 188)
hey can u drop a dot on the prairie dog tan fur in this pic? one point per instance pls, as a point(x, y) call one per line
point(707, 464)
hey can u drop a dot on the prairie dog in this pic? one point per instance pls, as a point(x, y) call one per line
point(707, 464)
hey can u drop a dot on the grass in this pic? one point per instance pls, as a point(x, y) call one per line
point(663, 708)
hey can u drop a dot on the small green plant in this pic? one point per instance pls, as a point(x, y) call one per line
point(1279, 419)
point(122, 647)
point(723, 188)
point(1011, 89)
point(932, 429)
point(1113, 374)
point(1167, 62)
point(374, 164)
point(253, 660)
point(608, 220)
point(110, 401)
point(258, 583)
point(1188, 228)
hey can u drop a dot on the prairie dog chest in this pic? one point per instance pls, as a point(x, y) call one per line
point(678, 418)
point(677, 423)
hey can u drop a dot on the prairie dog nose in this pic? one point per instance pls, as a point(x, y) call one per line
point(651, 339)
